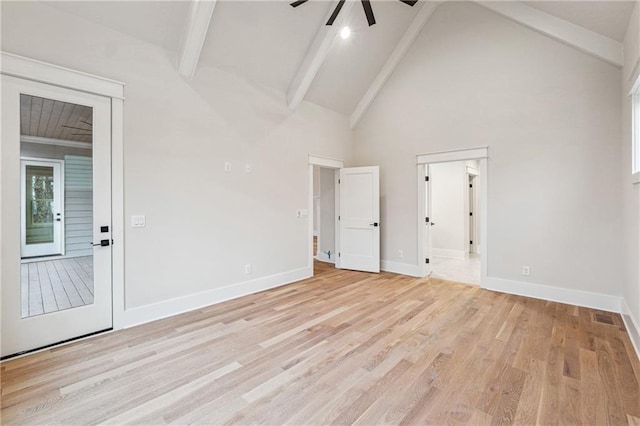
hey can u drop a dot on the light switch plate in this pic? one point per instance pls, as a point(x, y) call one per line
point(138, 221)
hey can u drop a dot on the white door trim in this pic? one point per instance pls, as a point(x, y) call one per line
point(327, 163)
point(59, 233)
point(481, 154)
point(32, 69)
point(455, 155)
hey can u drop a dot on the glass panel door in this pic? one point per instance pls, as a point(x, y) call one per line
point(41, 208)
point(56, 242)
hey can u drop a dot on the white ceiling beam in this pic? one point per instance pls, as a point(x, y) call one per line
point(585, 40)
point(394, 59)
point(200, 15)
point(315, 56)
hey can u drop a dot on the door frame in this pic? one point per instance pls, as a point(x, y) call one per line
point(42, 72)
point(472, 196)
point(23, 198)
point(481, 154)
point(325, 163)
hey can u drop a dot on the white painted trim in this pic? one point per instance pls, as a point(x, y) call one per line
point(31, 69)
point(450, 253)
point(56, 142)
point(635, 178)
point(196, 30)
point(587, 41)
point(317, 53)
point(455, 155)
point(117, 211)
point(330, 163)
point(394, 59)
point(400, 268)
point(171, 307)
point(587, 299)
point(632, 325)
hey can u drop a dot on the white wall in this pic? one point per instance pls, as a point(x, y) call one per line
point(631, 193)
point(203, 225)
point(328, 211)
point(551, 118)
point(448, 209)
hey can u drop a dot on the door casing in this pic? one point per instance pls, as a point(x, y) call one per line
point(55, 75)
point(422, 160)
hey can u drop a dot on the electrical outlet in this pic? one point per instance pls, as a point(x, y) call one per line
point(247, 268)
point(400, 254)
point(227, 166)
point(526, 271)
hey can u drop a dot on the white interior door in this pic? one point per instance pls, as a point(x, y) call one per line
point(426, 240)
point(41, 208)
point(42, 284)
point(359, 219)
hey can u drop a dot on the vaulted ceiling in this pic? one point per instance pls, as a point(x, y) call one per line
point(271, 44)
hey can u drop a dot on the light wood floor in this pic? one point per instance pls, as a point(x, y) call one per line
point(54, 285)
point(342, 348)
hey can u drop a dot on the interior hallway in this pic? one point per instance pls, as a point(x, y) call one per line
point(465, 271)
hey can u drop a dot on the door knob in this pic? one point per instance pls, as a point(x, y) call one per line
point(433, 223)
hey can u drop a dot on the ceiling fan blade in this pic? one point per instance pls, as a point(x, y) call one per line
point(366, 5)
point(409, 2)
point(334, 15)
point(298, 3)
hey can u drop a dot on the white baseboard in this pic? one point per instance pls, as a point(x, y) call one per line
point(632, 325)
point(400, 268)
point(167, 308)
point(450, 253)
point(322, 257)
point(587, 299)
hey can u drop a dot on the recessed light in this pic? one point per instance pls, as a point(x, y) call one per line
point(345, 33)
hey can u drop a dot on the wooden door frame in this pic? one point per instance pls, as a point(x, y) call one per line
point(325, 163)
point(42, 72)
point(481, 154)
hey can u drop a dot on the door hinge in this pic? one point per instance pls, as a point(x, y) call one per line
point(426, 178)
point(339, 255)
point(470, 213)
point(338, 217)
point(426, 220)
point(470, 242)
point(338, 181)
point(426, 260)
point(470, 185)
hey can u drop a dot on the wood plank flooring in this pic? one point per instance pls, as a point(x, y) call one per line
point(342, 348)
point(54, 285)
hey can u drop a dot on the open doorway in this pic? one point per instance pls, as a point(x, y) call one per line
point(452, 220)
point(452, 212)
point(324, 214)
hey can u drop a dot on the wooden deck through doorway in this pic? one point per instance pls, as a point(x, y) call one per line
point(53, 285)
